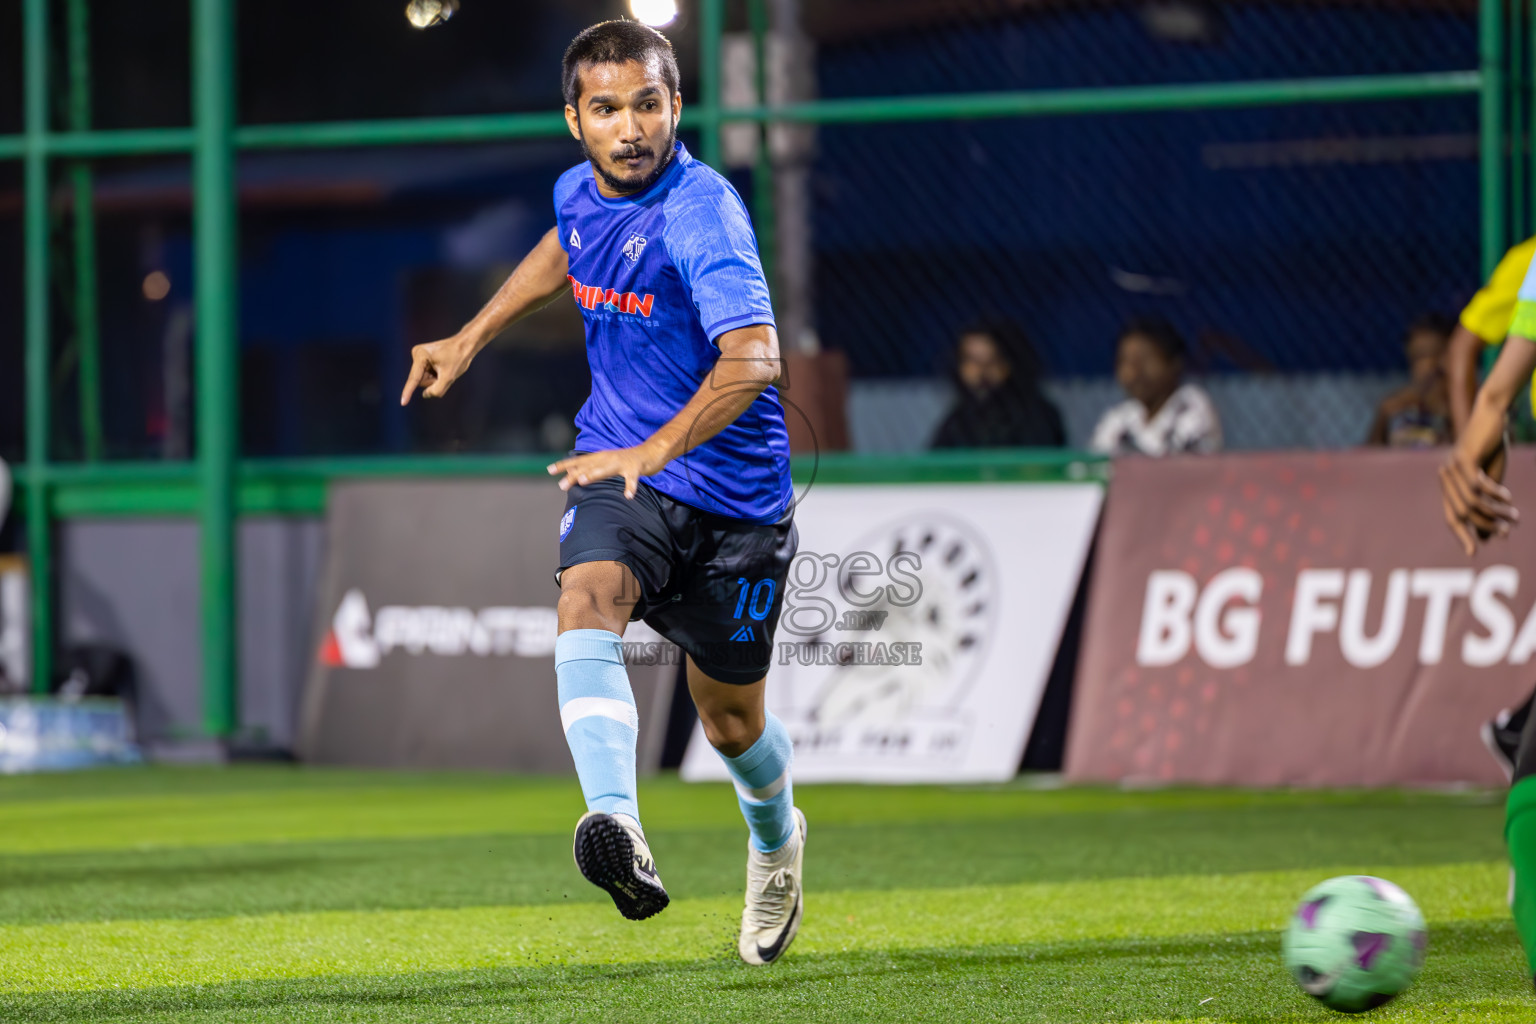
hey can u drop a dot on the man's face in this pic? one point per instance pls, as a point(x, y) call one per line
point(1426, 352)
point(626, 124)
point(1144, 372)
point(982, 367)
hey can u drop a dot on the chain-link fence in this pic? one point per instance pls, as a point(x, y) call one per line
point(1290, 229)
point(1291, 244)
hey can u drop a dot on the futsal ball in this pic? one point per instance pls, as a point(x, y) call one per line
point(426, 13)
point(1354, 942)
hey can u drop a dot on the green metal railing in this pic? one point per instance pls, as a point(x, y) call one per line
point(219, 486)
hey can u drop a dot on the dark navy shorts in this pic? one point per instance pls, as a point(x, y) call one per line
point(711, 584)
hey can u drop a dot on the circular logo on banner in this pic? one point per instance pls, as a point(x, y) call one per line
point(950, 614)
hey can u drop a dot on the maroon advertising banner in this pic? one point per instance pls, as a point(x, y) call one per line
point(1298, 620)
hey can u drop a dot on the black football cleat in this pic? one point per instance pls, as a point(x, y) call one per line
point(611, 851)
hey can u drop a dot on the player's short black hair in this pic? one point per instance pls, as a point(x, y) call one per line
point(617, 42)
point(1161, 333)
point(1429, 323)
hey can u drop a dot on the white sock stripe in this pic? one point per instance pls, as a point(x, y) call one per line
point(578, 708)
point(765, 793)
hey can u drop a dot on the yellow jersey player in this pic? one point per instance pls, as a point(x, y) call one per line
point(1486, 321)
point(1477, 506)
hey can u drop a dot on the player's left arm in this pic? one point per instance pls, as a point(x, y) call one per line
point(1462, 357)
point(748, 364)
point(1475, 504)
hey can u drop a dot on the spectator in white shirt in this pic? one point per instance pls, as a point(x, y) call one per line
point(1163, 415)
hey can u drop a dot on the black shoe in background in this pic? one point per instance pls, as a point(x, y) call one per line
point(1503, 740)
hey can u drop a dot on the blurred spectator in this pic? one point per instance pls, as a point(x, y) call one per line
point(1164, 415)
point(9, 529)
point(1001, 404)
point(1419, 416)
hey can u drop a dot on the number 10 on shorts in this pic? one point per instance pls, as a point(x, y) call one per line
point(754, 598)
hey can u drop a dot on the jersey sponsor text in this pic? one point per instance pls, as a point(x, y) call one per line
point(595, 295)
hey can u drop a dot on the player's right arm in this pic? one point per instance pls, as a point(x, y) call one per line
point(538, 280)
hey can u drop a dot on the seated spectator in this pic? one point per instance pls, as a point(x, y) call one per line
point(1164, 415)
point(8, 524)
point(1001, 404)
point(1419, 416)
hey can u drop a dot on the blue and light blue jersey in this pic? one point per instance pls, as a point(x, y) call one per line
point(659, 277)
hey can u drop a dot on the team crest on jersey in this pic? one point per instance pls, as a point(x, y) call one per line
point(634, 247)
point(567, 521)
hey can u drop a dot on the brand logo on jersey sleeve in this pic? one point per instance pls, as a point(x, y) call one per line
point(634, 247)
point(575, 239)
point(594, 295)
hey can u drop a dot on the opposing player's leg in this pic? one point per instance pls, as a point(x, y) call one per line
point(1501, 734)
point(758, 753)
point(612, 552)
point(1520, 834)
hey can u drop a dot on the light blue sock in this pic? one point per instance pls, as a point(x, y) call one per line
point(597, 711)
point(763, 787)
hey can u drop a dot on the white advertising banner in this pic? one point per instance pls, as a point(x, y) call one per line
point(919, 627)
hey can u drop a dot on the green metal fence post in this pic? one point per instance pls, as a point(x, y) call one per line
point(1491, 141)
point(38, 399)
point(38, 419)
point(1527, 129)
point(1514, 92)
point(711, 28)
point(763, 214)
point(87, 324)
point(214, 240)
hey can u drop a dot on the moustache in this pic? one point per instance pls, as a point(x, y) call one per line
point(631, 152)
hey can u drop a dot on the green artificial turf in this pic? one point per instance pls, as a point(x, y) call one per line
point(282, 894)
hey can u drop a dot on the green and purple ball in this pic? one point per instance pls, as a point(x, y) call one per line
point(1354, 942)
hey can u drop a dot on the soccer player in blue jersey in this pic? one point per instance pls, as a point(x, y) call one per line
point(679, 508)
